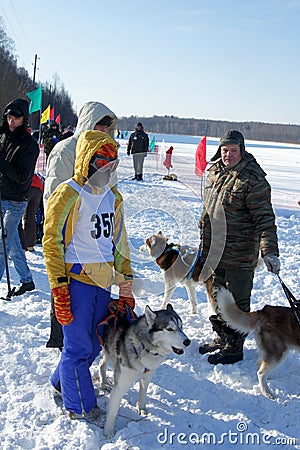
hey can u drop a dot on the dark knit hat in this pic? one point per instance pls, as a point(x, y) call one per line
point(13, 111)
point(139, 124)
point(232, 137)
point(17, 108)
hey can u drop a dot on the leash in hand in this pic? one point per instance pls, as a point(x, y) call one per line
point(295, 304)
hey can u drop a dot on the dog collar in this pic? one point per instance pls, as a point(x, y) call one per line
point(142, 347)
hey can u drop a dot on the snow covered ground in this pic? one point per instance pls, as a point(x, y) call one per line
point(188, 399)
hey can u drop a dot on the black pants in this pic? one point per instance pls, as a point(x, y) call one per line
point(34, 199)
point(239, 282)
point(56, 339)
point(27, 230)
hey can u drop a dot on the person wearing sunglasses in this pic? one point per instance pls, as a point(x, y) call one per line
point(60, 167)
point(86, 252)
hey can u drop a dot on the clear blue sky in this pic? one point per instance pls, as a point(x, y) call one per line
point(213, 59)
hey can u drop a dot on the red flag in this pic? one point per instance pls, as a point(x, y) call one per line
point(52, 113)
point(201, 162)
point(57, 120)
point(167, 161)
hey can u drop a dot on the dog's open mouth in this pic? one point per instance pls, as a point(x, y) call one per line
point(178, 351)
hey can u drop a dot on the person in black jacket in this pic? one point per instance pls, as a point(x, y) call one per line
point(18, 154)
point(138, 146)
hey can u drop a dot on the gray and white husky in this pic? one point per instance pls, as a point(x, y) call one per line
point(136, 351)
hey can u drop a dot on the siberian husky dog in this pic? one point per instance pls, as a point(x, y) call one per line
point(275, 329)
point(136, 350)
point(175, 262)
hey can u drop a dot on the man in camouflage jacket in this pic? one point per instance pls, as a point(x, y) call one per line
point(237, 222)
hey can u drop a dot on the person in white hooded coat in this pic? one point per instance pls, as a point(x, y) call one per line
point(60, 167)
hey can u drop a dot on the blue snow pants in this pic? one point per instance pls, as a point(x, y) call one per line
point(89, 305)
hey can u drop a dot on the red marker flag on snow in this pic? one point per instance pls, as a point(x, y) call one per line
point(167, 162)
point(57, 120)
point(201, 162)
point(52, 113)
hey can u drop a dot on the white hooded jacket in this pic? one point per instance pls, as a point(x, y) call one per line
point(60, 164)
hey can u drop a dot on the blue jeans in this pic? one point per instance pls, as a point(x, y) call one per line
point(12, 214)
point(89, 305)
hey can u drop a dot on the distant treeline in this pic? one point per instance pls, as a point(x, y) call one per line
point(15, 82)
point(257, 131)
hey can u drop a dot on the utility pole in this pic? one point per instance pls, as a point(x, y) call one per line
point(34, 71)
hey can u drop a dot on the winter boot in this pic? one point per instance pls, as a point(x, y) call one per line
point(24, 287)
point(233, 349)
point(219, 342)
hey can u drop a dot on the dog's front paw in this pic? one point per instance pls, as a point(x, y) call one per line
point(108, 432)
point(268, 394)
point(143, 411)
point(106, 386)
point(266, 391)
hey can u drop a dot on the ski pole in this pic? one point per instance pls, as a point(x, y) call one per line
point(3, 235)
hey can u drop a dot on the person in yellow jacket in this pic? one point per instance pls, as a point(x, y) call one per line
point(86, 251)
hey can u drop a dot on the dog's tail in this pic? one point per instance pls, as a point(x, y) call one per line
point(238, 320)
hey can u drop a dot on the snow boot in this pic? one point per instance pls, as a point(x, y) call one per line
point(24, 287)
point(93, 416)
point(219, 342)
point(233, 349)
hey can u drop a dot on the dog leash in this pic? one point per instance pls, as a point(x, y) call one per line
point(114, 317)
point(295, 304)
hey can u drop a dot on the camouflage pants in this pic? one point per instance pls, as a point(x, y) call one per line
point(239, 282)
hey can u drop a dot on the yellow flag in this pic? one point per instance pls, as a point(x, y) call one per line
point(45, 115)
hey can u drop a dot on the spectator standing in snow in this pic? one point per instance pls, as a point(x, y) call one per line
point(86, 251)
point(237, 204)
point(28, 237)
point(18, 154)
point(60, 167)
point(51, 136)
point(138, 147)
point(67, 133)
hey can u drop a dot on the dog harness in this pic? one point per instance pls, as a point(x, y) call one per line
point(177, 248)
